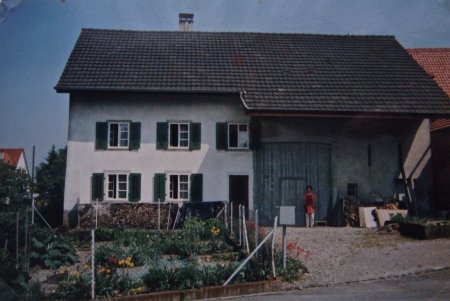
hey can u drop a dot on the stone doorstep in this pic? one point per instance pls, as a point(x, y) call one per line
point(207, 292)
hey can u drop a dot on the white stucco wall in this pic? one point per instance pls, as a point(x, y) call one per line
point(22, 164)
point(83, 159)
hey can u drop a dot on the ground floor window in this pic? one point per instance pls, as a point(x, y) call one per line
point(117, 186)
point(179, 187)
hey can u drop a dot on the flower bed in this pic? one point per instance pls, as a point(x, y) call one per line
point(135, 261)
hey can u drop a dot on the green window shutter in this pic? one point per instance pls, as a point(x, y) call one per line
point(134, 187)
point(135, 135)
point(101, 135)
point(159, 187)
point(97, 186)
point(221, 135)
point(255, 135)
point(196, 187)
point(195, 136)
point(162, 132)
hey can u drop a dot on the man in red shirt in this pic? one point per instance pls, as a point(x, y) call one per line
point(309, 198)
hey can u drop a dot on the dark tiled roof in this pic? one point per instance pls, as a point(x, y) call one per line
point(297, 72)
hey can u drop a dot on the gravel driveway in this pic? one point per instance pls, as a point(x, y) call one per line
point(340, 255)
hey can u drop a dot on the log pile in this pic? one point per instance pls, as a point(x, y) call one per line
point(351, 213)
point(143, 215)
point(124, 215)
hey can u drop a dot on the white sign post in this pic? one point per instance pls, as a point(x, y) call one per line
point(287, 217)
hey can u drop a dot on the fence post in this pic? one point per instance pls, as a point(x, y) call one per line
point(96, 213)
point(93, 264)
point(256, 227)
point(226, 215)
point(78, 213)
point(284, 246)
point(26, 238)
point(159, 215)
point(168, 217)
point(244, 226)
point(240, 225)
point(17, 239)
point(231, 217)
point(273, 245)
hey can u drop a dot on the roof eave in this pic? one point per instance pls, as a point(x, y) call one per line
point(63, 89)
point(343, 114)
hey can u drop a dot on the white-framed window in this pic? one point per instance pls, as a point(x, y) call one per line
point(117, 186)
point(118, 134)
point(179, 135)
point(238, 136)
point(178, 187)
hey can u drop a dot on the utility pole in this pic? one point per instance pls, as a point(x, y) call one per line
point(32, 186)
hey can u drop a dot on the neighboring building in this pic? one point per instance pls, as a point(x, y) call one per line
point(436, 62)
point(14, 157)
point(243, 117)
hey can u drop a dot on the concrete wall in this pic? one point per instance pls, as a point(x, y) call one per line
point(83, 159)
point(349, 140)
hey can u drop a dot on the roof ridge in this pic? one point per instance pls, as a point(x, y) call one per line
point(237, 32)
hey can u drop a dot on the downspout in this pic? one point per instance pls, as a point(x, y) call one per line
point(242, 99)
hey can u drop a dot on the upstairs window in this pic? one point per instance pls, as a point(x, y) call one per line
point(237, 136)
point(118, 133)
point(178, 135)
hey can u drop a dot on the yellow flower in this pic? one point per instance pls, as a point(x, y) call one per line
point(131, 264)
point(121, 262)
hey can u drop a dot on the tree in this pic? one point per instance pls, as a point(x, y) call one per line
point(14, 186)
point(50, 178)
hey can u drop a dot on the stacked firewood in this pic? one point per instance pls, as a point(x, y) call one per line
point(351, 213)
point(124, 216)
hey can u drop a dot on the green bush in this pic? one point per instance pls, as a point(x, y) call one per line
point(105, 234)
point(50, 249)
point(74, 287)
point(13, 281)
point(294, 269)
point(192, 275)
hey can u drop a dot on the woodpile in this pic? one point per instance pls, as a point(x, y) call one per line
point(351, 213)
point(143, 215)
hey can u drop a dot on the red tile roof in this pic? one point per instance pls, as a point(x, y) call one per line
point(11, 155)
point(436, 62)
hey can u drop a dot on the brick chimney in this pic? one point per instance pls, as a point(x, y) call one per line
point(186, 22)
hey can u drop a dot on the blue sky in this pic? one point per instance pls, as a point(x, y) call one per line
point(36, 37)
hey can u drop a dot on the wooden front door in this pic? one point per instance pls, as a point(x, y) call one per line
point(238, 193)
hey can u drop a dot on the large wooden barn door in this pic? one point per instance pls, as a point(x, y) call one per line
point(290, 190)
point(282, 171)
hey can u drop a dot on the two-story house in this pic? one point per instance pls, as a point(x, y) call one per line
point(245, 117)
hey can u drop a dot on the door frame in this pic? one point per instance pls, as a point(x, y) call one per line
point(248, 188)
